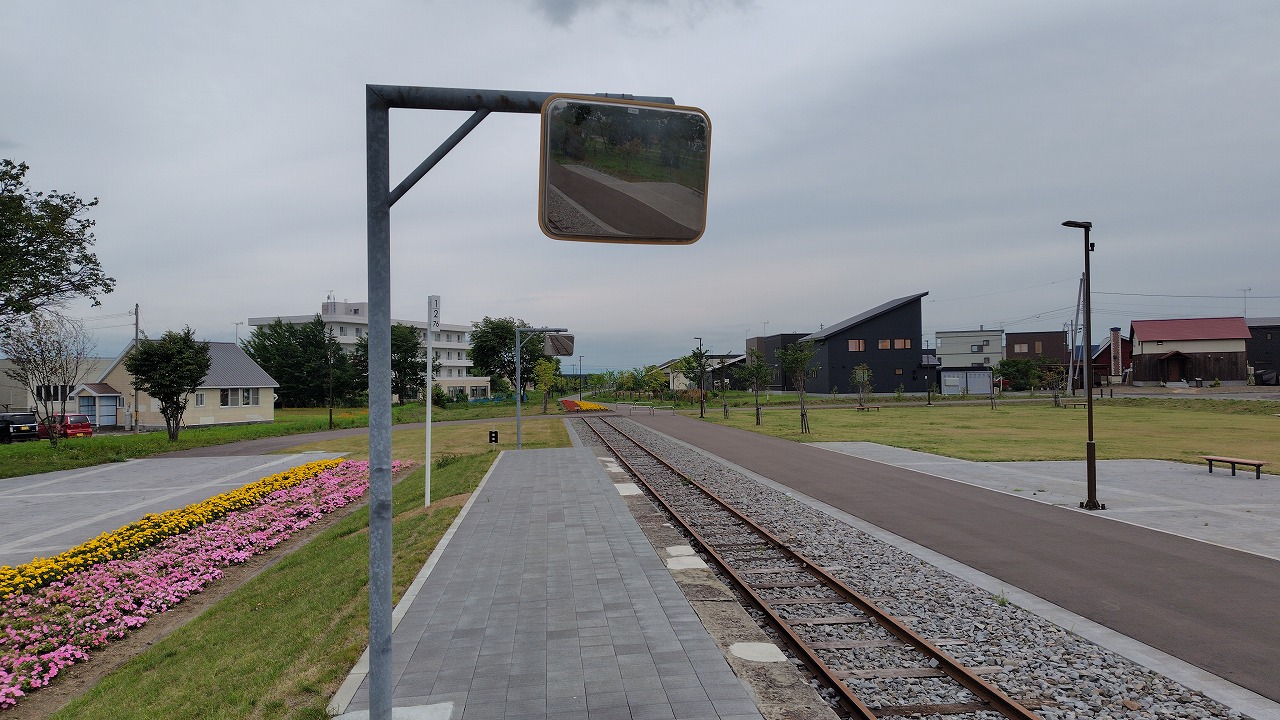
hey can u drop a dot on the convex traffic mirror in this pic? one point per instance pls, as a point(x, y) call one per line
point(623, 171)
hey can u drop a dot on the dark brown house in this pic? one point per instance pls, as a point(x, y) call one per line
point(1182, 351)
point(1051, 345)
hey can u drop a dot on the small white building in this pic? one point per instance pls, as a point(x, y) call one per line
point(970, 348)
point(451, 344)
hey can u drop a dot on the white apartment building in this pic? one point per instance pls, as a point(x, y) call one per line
point(970, 348)
point(451, 344)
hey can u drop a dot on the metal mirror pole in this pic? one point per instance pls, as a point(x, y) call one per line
point(379, 99)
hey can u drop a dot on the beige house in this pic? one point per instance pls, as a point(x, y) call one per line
point(15, 397)
point(235, 391)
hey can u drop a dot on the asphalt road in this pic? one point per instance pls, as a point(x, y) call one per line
point(1211, 606)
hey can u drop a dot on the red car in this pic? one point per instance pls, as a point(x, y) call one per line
point(67, 426)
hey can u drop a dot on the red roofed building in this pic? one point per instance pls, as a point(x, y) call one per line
point(1182, 351)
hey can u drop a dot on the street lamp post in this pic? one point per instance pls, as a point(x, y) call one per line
point(1091, 454)
point(582, 380)
point(519, 387)
point(702, 396)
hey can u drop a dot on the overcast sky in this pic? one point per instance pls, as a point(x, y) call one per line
point(861, 151)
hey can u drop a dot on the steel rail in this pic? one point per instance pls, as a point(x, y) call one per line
point(996, 699)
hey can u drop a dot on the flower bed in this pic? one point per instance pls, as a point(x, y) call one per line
point(149, 530)
point(49, 628)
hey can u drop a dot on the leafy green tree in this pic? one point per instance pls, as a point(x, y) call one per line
point(862, 380)
point(169, 370)
point(653, 380)
point(47, 258)
point(408, 366)
point(755, 374)
point(493, 347)
point(544, 376)
point(795, 359)
point(306, 360)
point(695, 366)
point(1023, 373)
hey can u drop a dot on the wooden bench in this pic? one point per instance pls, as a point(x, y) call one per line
point(867, 407)
point(1076, 404)
point(1233, 462)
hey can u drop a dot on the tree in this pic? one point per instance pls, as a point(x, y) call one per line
point(861, 379)
point(169, 370)
point(493, 347)
point(1023, 373)
point(46, 239)
point(306, 360)
point(50, 355)
point(408, 366)
point(696, 365)
point(755, 374)
point(544, 375)
point(795, 360)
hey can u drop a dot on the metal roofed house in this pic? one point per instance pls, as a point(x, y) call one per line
point(236, 390)
point(886, 338)
point(1175, 352)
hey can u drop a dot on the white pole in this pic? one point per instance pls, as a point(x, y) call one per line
point(433, 325)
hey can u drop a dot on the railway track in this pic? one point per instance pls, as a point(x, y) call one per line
point(876, 665)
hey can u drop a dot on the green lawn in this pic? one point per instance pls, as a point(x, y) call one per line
point(280, 645)
point(1179, 430)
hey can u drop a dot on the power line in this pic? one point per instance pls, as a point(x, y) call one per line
point(1214, 297)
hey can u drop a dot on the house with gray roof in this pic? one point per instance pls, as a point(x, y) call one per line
point(235, 391)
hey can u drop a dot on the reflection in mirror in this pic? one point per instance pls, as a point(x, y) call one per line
point(623, 171)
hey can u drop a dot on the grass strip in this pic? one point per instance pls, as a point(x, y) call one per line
point(1130, 428)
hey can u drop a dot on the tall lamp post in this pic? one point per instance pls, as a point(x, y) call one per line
point(519, 386)
point(582, 380)
point(1091, 452)
point(702, 396)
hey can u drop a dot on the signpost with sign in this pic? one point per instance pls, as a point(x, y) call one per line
point(433, 327)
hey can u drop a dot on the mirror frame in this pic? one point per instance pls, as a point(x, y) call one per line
point(653, 237)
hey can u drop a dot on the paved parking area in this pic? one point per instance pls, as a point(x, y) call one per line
point(43, 515)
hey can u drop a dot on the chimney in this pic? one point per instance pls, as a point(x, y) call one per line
point(1116, 360)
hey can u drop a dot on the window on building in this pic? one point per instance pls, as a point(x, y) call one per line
point(229, 397)
point(1020, 347)
point(857, 345)
point(975, 348)
point(1039, 347)
point(986, 343)
point(901, 343)
point(897, 371)
point(986, 361)
point(885, 344)
point(342, 329)
point(199, 399)
point(249, 396)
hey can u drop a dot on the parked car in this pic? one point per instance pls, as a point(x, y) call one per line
point(67, 426)
point(18, 426)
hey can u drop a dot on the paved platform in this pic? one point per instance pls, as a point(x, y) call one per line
point(547, 601)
